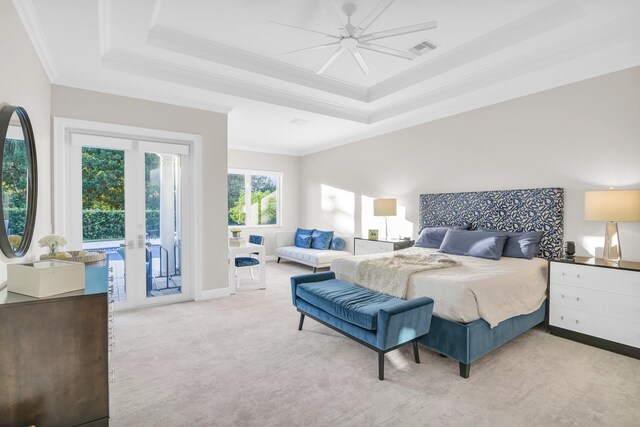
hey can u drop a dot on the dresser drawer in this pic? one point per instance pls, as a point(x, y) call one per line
point(606, 327)
point(607, 303)
point(366, 247)
point(597, 278)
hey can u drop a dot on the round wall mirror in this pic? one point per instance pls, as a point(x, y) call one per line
point(18, 170)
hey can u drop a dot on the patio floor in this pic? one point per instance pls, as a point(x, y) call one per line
point(160, 285)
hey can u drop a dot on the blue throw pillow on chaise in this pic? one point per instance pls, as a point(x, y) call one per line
point(303, 238)
point(321, 239)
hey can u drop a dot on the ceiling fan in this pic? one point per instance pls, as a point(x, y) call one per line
point(351, 38)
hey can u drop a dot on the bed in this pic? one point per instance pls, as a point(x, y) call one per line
point(482, 304)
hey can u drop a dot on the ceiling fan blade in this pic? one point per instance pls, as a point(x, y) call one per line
point(335, 16)
point(320, 46)
point(399, 31)
point(372, 16)
point(386, 50)
point(359, 59)
point(329, 61)
point(305, 29)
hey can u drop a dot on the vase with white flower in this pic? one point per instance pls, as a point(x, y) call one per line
point(53, 242)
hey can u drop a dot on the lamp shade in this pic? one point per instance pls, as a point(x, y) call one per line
point(384, 207)
point(612, 205)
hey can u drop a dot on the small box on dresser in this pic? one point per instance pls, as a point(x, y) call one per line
point(596, 303)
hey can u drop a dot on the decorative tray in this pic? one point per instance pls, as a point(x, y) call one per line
point(78, 256)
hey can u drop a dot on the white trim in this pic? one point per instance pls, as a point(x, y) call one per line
point(145, 66)
point(164, 147)
point(213, 293)
point(104, 25)
point(174, 40)
point(31, 23)
point(64, 128)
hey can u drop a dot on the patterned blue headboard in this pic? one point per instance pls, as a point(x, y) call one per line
point(535, 209)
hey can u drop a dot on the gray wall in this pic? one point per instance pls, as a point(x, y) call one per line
point(99, 107)
point(289, 166)
point(584, 136)
point(23, 82)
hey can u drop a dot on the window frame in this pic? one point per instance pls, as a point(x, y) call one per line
point(247, 196)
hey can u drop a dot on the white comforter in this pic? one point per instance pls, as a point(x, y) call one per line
point(477, 288)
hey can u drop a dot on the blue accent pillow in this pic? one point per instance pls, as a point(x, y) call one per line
point(525, 244)
point(338, 244)
point(321, 239)
point(431, 237)
point(481, 244)
point(303, 238)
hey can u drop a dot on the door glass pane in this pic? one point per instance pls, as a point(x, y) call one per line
point(235, 199)
point(163, 274)
point(103, 210)
point(264, 200)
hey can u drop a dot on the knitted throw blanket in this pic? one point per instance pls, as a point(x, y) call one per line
point(390, 274)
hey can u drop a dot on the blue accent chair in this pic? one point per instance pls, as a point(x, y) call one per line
point(375, 320)
point(249, 262)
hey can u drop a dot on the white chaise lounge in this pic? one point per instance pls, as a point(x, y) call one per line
point(286, 249)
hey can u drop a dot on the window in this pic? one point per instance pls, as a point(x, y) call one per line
point(260, 191)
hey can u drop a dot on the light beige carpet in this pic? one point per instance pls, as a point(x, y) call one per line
point(240, 361)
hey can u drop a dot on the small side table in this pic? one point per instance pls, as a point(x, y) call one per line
point(364, 246)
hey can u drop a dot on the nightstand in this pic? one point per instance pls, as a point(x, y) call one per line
point(364, 246)
point(596, 303)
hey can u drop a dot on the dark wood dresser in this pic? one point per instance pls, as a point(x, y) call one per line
point(54, 358)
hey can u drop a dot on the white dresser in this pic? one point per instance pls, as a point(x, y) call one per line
point(363, 246)
point(596, 304)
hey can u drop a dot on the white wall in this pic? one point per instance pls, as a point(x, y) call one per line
point(99, 107)
point(584, 136)
point(24, 83)
point(289, 166)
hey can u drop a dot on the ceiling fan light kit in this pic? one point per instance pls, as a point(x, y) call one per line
point(351, 38)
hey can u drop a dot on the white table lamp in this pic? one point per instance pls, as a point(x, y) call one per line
point(385, 208)
point(612, 206)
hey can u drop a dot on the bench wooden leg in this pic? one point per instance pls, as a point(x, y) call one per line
point(278, 260)
point(381, 365)
point(416, 355)
point(465, 369)
point(315, 269)
point(301, 321)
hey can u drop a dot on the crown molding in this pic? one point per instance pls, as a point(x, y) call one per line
point(31, 23)
point(187, 44)
point(541, 21)
point(611, 35)
point(162, 70)
point(80, 82)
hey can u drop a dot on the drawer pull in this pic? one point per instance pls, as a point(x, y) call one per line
point(562, 295)
point(563, 273)
point(561, 317)
point(576, 321)
point(578, 276)
point(577, 298)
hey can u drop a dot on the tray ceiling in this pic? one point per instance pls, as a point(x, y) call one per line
point(226, 56)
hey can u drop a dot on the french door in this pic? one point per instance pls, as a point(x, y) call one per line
point(127, 198)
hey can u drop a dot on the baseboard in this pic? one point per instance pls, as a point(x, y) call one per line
point(213, 293)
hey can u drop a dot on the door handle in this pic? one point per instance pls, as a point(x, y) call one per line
point(140, 241)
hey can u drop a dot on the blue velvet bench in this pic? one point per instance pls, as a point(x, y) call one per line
point(378, 321)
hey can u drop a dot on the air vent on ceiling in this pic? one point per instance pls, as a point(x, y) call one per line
point(422, 47)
